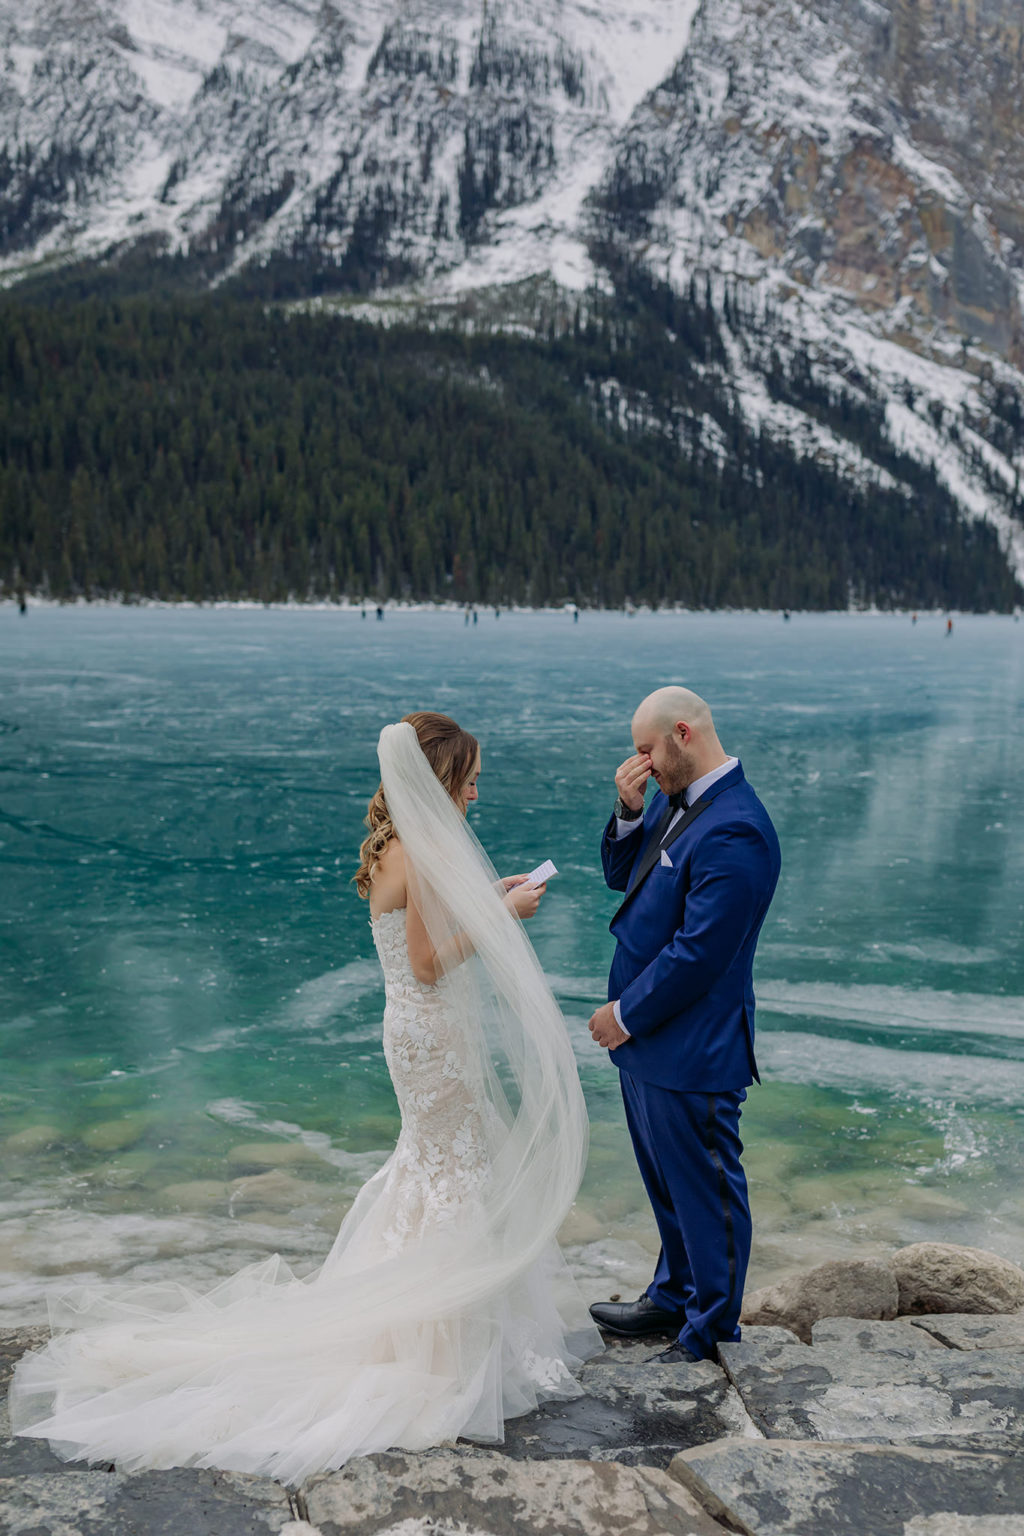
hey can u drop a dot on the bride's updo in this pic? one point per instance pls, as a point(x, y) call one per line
point(450, 751)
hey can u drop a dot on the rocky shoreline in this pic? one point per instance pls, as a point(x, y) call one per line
point(910, 1425)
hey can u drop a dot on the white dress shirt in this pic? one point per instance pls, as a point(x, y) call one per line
point(691, 793)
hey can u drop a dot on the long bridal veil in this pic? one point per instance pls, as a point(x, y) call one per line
point(474, 1321)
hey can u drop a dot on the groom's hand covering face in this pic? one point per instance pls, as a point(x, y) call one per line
point(631, 779)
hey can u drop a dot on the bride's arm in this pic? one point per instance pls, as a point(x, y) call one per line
point(430, 961)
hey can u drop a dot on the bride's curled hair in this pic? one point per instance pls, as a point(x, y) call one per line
point(451, 753)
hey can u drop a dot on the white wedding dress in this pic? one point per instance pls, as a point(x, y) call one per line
point(444, 1306)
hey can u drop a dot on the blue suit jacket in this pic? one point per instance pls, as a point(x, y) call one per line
point(686, 934)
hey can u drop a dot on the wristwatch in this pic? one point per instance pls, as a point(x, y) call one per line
point(625, 812)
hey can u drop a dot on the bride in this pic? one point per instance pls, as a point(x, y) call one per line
point(444, 1306)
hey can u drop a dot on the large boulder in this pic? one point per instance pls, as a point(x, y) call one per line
point(840, 1288)
point(942, 1277)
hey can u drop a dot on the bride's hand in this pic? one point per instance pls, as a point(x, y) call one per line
point(512, 880)
point(524, 899)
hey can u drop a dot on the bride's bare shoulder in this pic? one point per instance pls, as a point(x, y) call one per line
point(387, 883)
point(393, 858)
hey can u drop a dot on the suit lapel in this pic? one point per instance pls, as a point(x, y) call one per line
point(650, 853)
point(663, 838)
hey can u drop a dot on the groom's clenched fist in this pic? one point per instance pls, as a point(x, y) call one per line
point(631, 780)
point(605, 1029)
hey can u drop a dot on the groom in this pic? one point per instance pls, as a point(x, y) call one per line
point(698, 872)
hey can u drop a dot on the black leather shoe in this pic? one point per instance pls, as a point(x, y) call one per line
point(677, 1355)
point(633, 1319)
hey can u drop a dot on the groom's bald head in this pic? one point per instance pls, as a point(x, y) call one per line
point(665, 708)
point(673, 726)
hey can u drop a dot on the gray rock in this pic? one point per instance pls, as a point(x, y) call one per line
point(943, 1277)
point(628, 1351)
point(596, 1464)
point(632, 1412)
point(15, 1342)
point(970, 1330)
point(488, 1495)
point(835, 1392)
point(179, 1503)
point(18, 1455)
point(785, 1488)
point(766, 1338)
point(840, 1288)
point(963, 1525)
point(895, 1338)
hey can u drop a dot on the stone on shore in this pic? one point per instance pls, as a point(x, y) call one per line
point(19, 1455)
point(790, 1488)
point(489, 1495)
point(946, 1524)
point(182, 1502)
point(632, 1412)
point(839, 1391)
point(907, 1427)
point(14, 1343)
point(944, 1277)
point(40, 1495)
point(841, 1288)
point(896, 1338)
point(971, 1330)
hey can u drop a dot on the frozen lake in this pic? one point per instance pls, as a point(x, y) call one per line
point(189, 999)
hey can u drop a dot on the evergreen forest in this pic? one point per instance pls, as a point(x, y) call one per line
point(211, 446)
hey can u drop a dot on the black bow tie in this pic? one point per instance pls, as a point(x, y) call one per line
point(678, 800)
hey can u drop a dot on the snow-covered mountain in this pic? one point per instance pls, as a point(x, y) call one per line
point(418, 128)
point(850, 172)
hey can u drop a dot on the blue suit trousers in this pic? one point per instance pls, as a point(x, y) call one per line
point(688, 1148)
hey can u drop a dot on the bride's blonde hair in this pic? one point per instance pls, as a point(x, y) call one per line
point(450, 751)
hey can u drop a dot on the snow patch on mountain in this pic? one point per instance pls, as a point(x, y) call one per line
point(807, 437)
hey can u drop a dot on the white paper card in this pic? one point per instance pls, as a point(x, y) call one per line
point(542, 872)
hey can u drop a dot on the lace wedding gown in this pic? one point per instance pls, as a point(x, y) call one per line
point(444, 1306)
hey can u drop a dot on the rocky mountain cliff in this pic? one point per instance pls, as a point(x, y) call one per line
point(846, 175)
